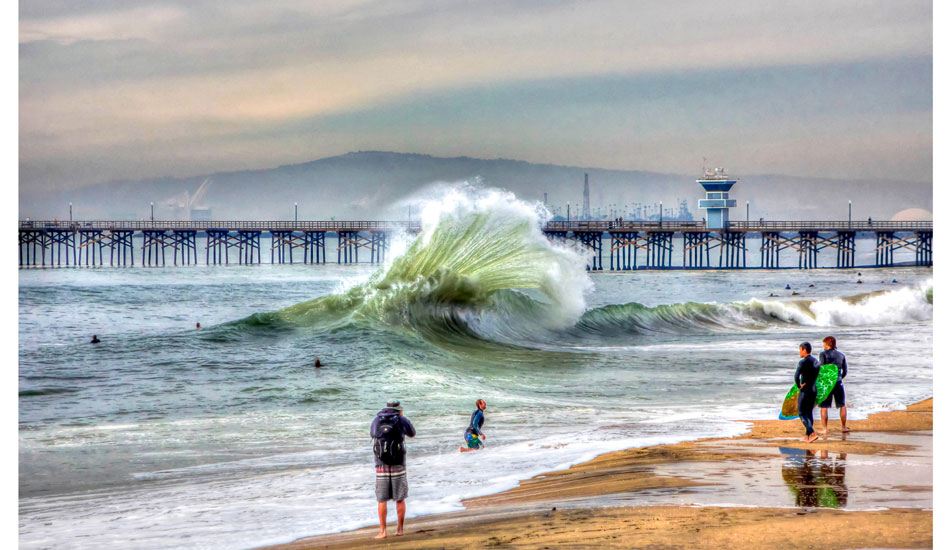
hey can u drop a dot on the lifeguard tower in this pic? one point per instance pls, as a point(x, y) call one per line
point(717, 202)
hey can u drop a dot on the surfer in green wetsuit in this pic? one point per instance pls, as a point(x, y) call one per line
point(805, 377)
point(832, 356)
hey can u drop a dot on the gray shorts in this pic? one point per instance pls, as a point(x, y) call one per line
point(391, 483)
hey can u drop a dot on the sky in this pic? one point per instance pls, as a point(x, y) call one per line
point(113, 90)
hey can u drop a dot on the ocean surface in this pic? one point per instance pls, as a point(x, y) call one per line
point(164, 436)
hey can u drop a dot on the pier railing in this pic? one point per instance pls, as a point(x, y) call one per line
point(579, 225)
point(750, 226)
point(331, 225)
point(834, 225)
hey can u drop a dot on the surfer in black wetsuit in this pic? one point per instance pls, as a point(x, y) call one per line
point(831, 356)
point(805, 376)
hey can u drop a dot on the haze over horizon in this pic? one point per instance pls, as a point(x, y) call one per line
point(136, 90)
point(382, 185)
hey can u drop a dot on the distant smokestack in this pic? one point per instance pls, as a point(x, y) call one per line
point(585, 214)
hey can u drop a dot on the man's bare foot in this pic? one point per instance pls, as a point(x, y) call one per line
point(811, 438)
point(845, 429)
point(804, 438)
point(381, 535)
point(399, 533)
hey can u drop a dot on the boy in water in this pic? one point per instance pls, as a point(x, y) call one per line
point(805, 377)
point(473, 434)
point(831, 356)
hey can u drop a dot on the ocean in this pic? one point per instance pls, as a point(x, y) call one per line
point(164, 436)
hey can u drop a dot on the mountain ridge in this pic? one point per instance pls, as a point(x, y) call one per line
point(367, 184)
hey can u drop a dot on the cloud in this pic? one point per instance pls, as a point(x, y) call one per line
point(147, 23)
point(147, 76)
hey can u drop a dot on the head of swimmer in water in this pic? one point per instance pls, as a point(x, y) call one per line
point(481, 405)
point(829, 343)
point(804, 349)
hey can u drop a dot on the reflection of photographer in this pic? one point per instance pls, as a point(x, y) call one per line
point(815, 482)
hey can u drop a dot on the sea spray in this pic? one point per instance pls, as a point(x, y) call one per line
point(475, 243)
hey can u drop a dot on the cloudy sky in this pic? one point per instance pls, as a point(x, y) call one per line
point(116, 90)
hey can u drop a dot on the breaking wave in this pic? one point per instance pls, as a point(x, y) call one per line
point(482, 271)
point(905, 305)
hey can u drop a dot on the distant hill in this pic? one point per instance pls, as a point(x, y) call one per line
point(371, 184)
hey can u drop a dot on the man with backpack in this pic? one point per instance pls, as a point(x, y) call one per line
point(388, 431)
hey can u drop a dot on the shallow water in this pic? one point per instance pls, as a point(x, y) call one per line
point(227, 437)
point(804, 478)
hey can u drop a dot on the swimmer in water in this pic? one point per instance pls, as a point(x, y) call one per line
point(316, 363)
point(197, 325)
point(95, 339)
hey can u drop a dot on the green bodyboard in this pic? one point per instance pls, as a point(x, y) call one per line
point(827, 378)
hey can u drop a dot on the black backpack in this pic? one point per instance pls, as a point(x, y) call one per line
point(388, 445)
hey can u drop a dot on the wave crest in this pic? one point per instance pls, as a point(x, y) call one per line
point(905, 305)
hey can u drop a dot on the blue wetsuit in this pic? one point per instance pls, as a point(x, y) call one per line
point(474, 429)
point(807, 374)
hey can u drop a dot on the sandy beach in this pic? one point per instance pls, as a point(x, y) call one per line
point(871, 488)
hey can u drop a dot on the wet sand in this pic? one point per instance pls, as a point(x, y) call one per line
point(871, 488)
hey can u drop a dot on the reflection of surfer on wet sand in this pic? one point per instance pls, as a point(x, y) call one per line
point(816, 481)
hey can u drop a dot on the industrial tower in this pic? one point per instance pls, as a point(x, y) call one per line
point(585, 214)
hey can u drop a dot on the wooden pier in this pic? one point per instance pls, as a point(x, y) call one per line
point(705, 248)
point(100, 243)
